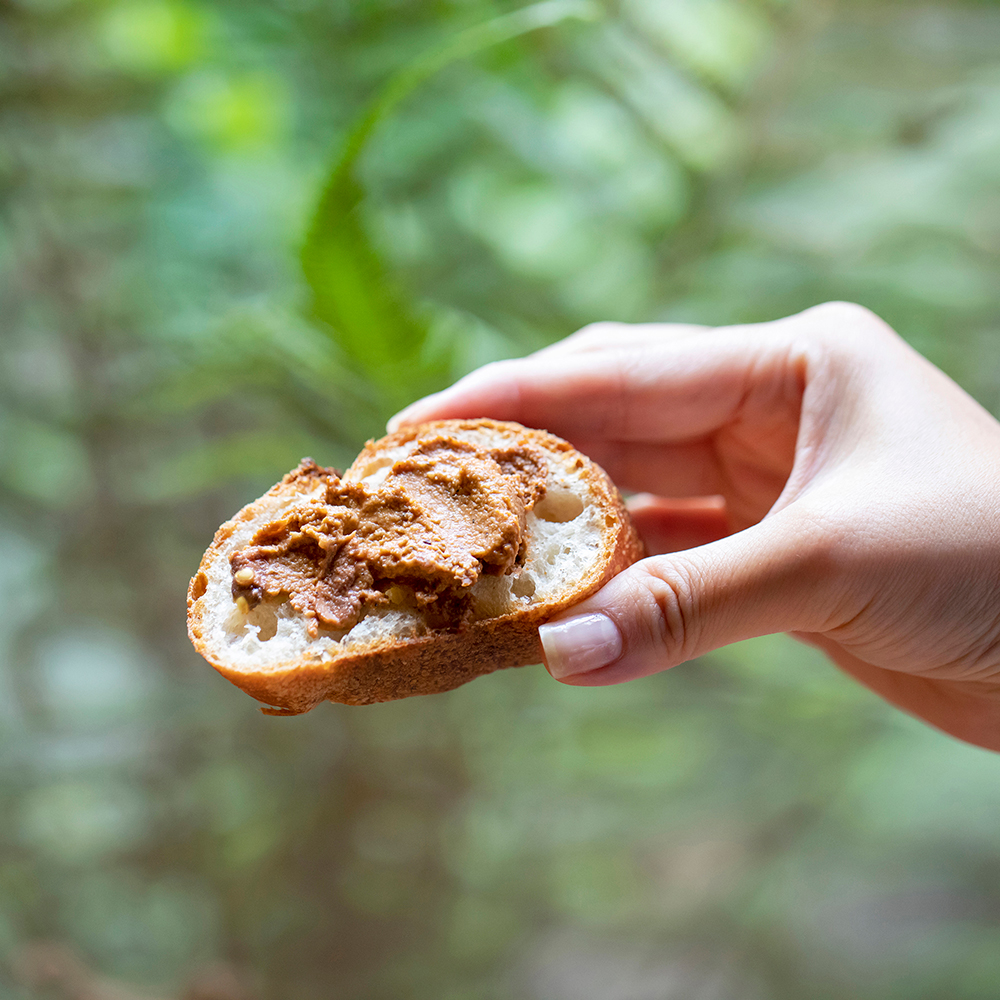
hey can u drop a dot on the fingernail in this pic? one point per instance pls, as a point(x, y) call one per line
point(579, 645)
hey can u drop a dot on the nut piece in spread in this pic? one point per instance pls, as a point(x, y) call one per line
point(445, 514)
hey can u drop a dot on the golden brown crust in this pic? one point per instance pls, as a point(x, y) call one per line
point(390, 668)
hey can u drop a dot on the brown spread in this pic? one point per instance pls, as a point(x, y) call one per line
point(446, 513)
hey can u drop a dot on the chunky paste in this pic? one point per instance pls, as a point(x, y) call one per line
point(446, 513)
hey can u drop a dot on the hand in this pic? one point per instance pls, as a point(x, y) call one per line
point(820, 477)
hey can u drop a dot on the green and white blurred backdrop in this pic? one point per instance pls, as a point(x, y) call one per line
point(236, 232)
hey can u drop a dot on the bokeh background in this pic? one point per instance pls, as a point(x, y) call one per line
point(237, 232)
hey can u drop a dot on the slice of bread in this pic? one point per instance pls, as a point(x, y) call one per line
point(575, 538)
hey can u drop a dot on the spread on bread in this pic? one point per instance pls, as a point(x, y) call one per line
point(419, 532)
point(431, 561)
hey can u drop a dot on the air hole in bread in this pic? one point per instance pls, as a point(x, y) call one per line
point(264, 617)
point(559, 506)
point(523, 586)
point(268, 621)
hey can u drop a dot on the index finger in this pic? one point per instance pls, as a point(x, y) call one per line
point(610, 335)
point(673, 390)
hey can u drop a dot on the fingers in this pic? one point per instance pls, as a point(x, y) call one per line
point(689, 469)
point(608, 378)
point(676, 390)
point(773, 577)
point(673, 525)
point(605, 336)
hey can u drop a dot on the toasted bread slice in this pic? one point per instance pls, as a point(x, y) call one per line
point(575, 539)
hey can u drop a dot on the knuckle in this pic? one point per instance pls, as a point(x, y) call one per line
point(840, 309)
point(838, 318)
point(671, 608)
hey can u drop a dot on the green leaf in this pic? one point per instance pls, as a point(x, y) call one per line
point(353, 295)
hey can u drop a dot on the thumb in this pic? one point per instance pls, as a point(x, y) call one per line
point(776, 576)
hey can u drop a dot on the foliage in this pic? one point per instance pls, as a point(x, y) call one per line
point(236, 233)
point(352, 293)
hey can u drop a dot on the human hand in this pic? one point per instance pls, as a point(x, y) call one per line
point(814, 475)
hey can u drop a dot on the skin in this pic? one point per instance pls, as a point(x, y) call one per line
point(813, 475)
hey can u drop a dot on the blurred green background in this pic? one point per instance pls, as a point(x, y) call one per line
point(237, 232)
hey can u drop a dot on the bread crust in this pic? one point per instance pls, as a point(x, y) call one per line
point(384, 669)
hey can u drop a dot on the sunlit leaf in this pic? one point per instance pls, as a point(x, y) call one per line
point(353, 293)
